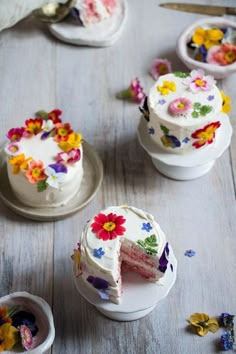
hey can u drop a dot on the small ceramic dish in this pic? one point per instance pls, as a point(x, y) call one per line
point(186, 54)
point(43, 316)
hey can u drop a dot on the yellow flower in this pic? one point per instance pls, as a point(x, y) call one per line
point(203, 323)
point(207, 37)
point(8, 336)
point(73, 142)
point(226, 104)
point(19, 162)
point(166, 87)
point(77, 259)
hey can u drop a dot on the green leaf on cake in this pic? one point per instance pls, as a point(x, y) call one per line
point(149, 244)
point(204, 110)
point(180, 74)
point(197, 105)
point(164, 129)
point(42, 185)
point(42, 114)
point(195, 114)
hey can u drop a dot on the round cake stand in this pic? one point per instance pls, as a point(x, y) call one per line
point(139, 296)
point(101, 34)
point(194, 164)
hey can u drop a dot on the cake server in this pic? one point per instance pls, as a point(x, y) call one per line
point(200, 9)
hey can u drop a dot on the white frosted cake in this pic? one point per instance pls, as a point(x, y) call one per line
point(118, 239)
point(93, 11)
point(182, 111)
point(45, 161)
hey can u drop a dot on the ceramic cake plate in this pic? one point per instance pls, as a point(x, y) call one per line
point(139, 296)
point(192, 165)
point(102, 34)
point(91, 182)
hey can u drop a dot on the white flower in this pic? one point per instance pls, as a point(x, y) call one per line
point(48, 125)
point(55, 179)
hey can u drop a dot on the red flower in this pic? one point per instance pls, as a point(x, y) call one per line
point(205, 135)
point(108, 226)
point(34, 126)
point(54, 116)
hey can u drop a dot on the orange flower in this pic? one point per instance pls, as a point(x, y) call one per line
point(62, 132)
point(34, 126)
point(19, 162)
point(205, 135)
point(4, 315)
point(35, 172)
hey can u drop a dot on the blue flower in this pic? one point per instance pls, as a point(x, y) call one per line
point(147, 227)
point(161, 102)
point(151, 131)
point(210, 97)
point(185, 140)
point(226, 319)
point(226, 341)
point(98, 252)
point(190, 253)
point(103, 295)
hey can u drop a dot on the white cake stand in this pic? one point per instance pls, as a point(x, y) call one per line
point(192, 165)
point(139, 296)
point(101, 34)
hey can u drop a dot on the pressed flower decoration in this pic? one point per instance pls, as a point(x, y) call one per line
point(203, 323)
point(213, 45)
point(48, 125)
point(108, 227)
point(134, 92)
point(16, 326)
point(149, 244)
point(160, 67)
point(205, 135)
point(198, 81)
point(179, 106)
point(166, 87)
point(226, 104)
point(76, 257)
point(190, 253)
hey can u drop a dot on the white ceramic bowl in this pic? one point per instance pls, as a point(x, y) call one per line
point(183, 52)
point(44, 320)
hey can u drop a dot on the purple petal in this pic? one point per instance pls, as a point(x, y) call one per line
point(58, 167)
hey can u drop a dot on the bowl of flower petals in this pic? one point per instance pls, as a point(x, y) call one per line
point(209, 44)
point(26, 324)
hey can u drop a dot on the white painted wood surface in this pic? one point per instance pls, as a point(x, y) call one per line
point(39, 72)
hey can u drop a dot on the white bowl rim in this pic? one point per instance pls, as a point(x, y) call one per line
point(181, 47)
point(45, 308)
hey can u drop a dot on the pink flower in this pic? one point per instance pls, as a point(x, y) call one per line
point(35, 172)
point(160, 67)
point(134, 92)
point(197, 81)
point(12, 149)
point(224, 54)
point(15, 134)
point(108, 226)
point(179, 106)
point(110, 6)
point(69, 157)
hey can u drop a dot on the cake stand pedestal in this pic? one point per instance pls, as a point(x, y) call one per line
point(102, 34)
point(139, 296)
point(194, 164)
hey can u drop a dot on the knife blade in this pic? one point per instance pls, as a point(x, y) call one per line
point(200, 9)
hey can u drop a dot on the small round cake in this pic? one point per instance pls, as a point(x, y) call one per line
point(45, 161)
point(119, 239)
point(182, 111)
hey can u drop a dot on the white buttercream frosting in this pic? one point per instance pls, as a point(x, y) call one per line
point(139, 226)
point(205, 105)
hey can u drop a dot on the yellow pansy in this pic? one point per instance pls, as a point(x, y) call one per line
point(166, 87)
point(19, 162)
point(226, 104)
point(8, 336)
point(203, 323)
point(73, 142)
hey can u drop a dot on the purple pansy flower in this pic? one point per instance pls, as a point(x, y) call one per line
point(163, 261)
point(98, 283)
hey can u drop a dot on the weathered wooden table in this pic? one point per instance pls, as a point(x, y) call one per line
point(39, 72)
